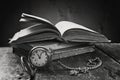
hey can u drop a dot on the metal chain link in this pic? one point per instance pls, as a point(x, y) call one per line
point(92, 64)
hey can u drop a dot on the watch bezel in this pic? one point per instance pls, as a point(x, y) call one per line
point(43, 48)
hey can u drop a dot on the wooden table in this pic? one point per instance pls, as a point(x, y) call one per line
point(109, 53)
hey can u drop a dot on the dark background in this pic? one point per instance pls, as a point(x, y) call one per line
point(100, 15)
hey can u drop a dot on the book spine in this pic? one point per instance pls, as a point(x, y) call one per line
point(58, 54)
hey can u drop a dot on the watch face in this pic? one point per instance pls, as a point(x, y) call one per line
point(39, 56)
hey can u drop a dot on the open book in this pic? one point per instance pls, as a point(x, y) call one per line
point(40, 29)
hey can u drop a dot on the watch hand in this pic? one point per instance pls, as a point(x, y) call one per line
point(40, 55)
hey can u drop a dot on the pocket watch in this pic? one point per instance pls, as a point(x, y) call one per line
point(39, 56)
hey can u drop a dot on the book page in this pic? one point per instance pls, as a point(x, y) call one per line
point(22, 33)
point(65, 25)
point(39, 25)
point(33, 17)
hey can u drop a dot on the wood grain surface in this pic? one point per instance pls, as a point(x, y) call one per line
point(10, 68)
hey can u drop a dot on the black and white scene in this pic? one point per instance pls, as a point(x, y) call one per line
point(59, 40)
